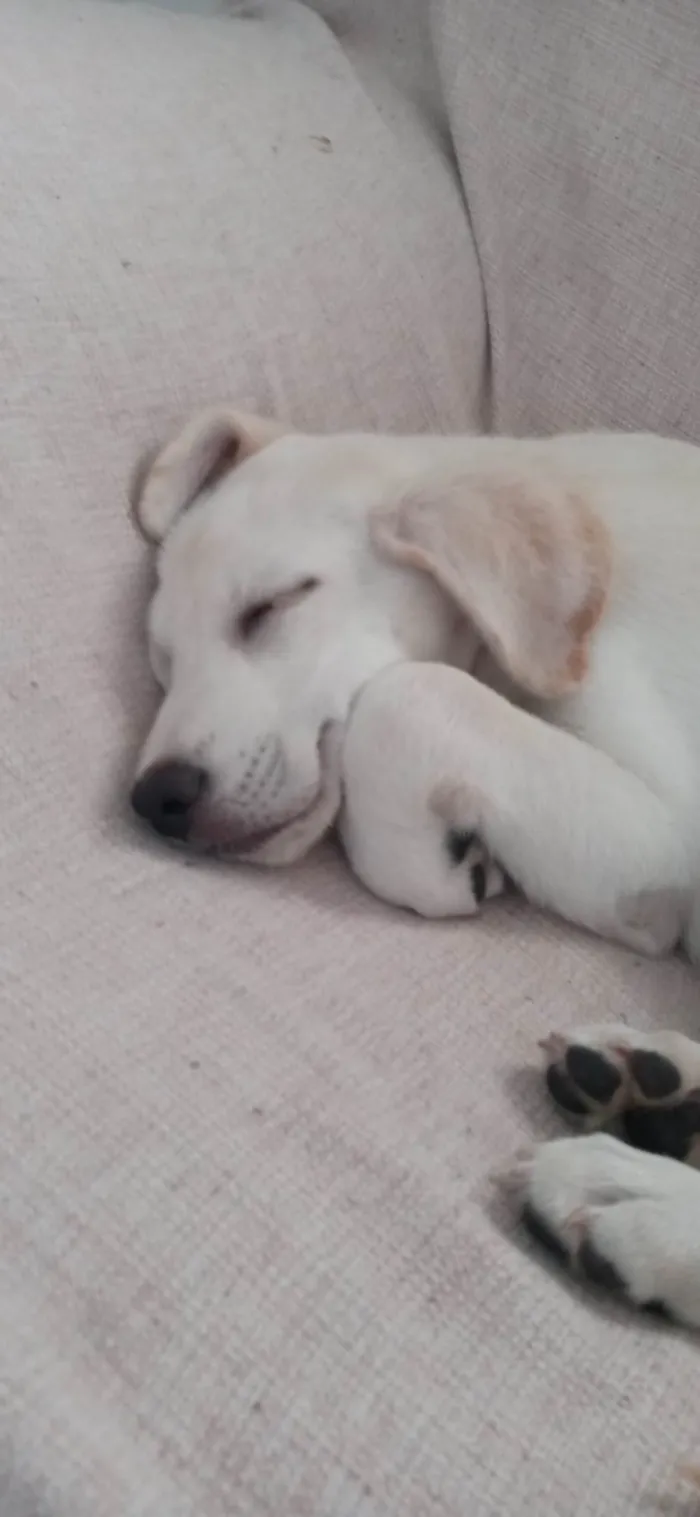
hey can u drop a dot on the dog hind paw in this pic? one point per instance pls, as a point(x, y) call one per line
point(650, 1081)
point(624, 1221)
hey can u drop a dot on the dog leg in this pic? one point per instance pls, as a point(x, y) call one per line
point(576, 832)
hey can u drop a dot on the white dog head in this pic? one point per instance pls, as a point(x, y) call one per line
point(290, 570)
point(272, 609)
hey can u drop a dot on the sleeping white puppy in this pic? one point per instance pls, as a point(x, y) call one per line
point(564, 572)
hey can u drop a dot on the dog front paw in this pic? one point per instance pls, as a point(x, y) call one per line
point(466, 851)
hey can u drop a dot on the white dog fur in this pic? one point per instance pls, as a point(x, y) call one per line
point(560, 580)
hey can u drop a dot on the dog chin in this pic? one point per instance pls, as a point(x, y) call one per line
point(298, 836)
point(292, 841)
point(217, 835)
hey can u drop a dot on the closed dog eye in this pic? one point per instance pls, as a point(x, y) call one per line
point(254, 617)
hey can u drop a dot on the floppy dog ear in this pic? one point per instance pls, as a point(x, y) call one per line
point(206, 447)
point(524, 555)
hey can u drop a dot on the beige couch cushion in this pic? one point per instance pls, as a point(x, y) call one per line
point(575, 124)
point(249, 1261)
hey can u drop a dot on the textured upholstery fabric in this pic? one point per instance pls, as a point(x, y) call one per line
point(576, 130)
point(250, 1263)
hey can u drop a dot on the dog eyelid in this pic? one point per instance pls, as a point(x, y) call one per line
point(254, 617)
point(250, 620)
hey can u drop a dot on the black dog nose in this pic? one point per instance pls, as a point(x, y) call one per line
point(165, 797)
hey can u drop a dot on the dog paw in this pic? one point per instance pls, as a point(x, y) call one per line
point(623, 1220)
point(651, 1081)
point(466, 851)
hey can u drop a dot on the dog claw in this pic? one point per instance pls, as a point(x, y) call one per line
point(554, 1047)
point(514, 1176)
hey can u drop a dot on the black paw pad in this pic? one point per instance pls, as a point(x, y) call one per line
point(564, 1092)
point(541, 1233)
point(593, 1073)
point(655, 1076)
point(478, 879)
point(599, 1270)
point(657, 1309)
point(458, 842)
point(672, 1131)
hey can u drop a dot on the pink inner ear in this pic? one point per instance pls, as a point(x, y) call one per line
point(229, 457)
point(204, 450)
point(249, 435)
